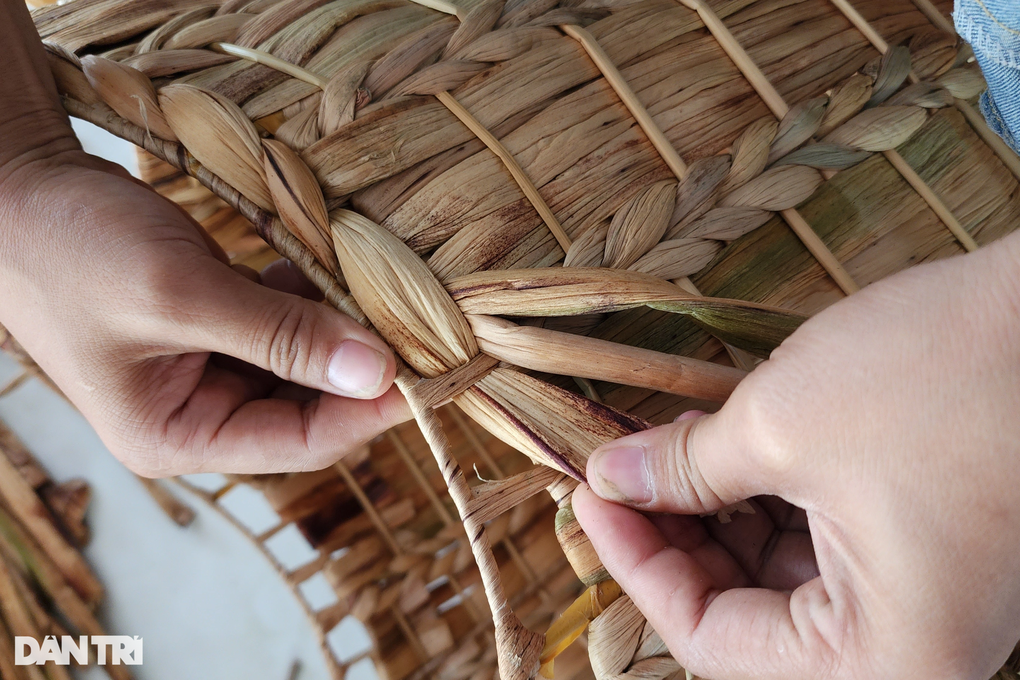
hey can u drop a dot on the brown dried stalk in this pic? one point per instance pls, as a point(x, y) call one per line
point(26, 506)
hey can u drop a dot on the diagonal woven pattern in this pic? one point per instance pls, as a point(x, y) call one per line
point(508, 189)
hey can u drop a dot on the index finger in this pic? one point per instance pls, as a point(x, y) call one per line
point(224, 426)
point(735, 633)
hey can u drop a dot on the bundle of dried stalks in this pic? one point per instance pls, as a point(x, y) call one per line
point(508, 185)
point(46, 587)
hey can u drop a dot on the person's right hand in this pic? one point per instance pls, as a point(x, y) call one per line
point(893, 419)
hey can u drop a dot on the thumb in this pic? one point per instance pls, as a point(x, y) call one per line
point(695, 465)
point(301, 341)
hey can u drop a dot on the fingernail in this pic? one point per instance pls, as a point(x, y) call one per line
point(620, 474)
point(688, 415)
point(356, 370)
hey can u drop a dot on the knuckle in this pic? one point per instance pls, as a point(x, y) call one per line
point(685, 482)
point(767, 423)
point(281, 340)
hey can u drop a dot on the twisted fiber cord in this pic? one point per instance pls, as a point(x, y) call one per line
point(518, 647)
point(440, 508)
point(443, 511)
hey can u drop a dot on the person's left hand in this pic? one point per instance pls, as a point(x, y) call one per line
point(180, 362)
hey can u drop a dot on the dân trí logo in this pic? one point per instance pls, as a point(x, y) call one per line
point(113, 649)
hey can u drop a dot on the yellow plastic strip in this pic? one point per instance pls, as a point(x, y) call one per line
point(523, 181)
point(630, 100)
point(572, 622)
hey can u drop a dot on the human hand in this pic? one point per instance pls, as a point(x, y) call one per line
point(881, 446)
point(181, 363)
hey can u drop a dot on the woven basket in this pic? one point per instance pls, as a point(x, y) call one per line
point(508, 189)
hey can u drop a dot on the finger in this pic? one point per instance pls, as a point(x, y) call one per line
point(225, 426)
point(736, 633)
point(693, 466)
point(771, 558)
point(297, 339)
point(689, 535)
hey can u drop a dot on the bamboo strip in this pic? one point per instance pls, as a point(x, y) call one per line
point(820, 251)
point(368, 507)
point(469, 433)
point(70, 604)
point(25, 505)
point(529, 574)
point(222, 491)
point(933, 201)
point(629, 99)
point(1008, 157)
point(743, 61)
point(177, 510)
point(522, 179)
point(15, 382)
point(16, 613)
point(7, 667)
point(935, 16)
point(862, 25)
point(472, 608)
point(271, 531)
point(409, 633)
point(517, 647)
point(332, 664)
point(761, 85)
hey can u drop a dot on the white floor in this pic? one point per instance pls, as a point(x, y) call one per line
point(205, 601)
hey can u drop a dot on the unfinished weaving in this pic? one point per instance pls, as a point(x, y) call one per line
point(505, 190)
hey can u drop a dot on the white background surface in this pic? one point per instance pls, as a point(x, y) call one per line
point(205, 601)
